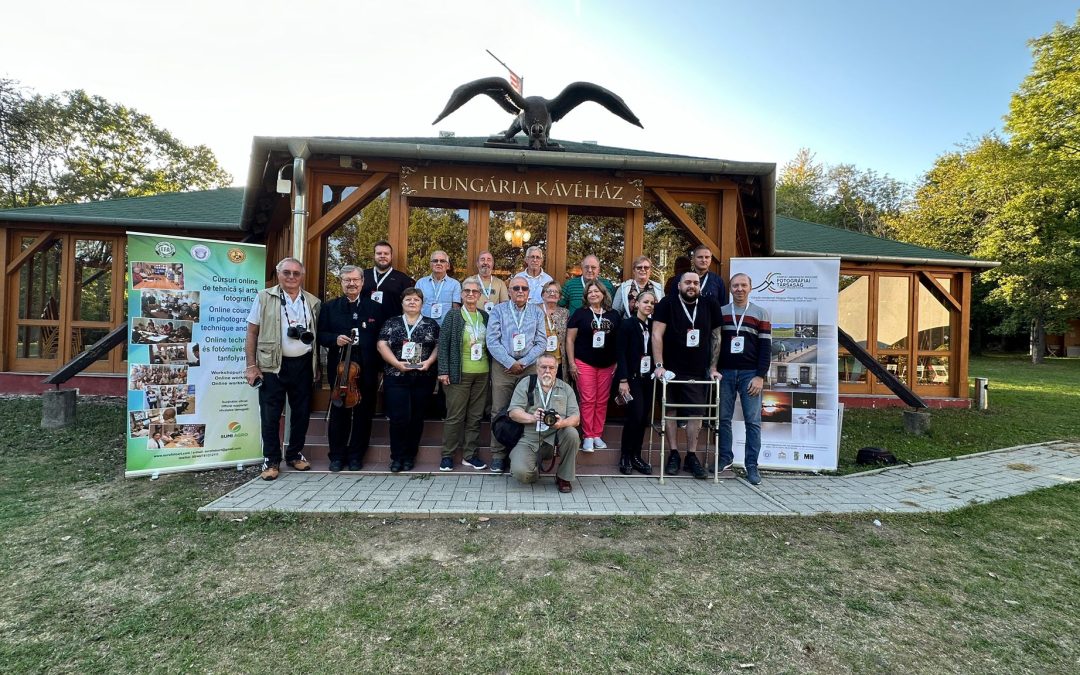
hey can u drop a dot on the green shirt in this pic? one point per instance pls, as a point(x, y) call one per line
point(473, 333)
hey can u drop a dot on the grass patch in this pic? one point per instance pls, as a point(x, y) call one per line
point(1028, 404)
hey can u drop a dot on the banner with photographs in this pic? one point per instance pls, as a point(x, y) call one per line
point(189, 406)
point(801, 398)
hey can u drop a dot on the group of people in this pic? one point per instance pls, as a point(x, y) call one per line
point(546, 356)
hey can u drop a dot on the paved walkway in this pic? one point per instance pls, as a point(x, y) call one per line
point(939, 485)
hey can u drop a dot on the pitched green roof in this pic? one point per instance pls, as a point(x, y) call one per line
point(218, 208)
point(795, 237)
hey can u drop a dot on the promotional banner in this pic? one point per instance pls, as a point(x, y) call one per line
point(799, 405)
point(189, 406)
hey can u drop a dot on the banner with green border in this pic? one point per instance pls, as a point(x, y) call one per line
point(189, 406)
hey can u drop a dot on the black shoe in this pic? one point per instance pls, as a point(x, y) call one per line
point(752, 475)
point(355, 465)
point(624, 466)
point(336, 466)
point(395, 466)
point(498, 466)
point(694, 466)
point(641, 466)
point(408, 465)
point(673, 463)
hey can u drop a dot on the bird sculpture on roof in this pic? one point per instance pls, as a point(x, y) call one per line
point(535, 114)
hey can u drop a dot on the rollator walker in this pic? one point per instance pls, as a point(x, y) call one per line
point(709, 417)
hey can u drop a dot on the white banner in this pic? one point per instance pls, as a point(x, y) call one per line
point(799, 406)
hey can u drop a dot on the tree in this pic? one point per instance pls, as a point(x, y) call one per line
point(77, 147)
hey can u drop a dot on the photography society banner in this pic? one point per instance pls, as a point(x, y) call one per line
point(801, 397)
point(189, 406)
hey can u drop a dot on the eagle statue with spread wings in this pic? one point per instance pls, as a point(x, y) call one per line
point(535, 114)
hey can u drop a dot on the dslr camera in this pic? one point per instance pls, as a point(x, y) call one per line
point(549, 417)
point(301, 333)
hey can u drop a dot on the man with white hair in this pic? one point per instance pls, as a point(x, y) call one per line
point(534, 274)
point(542, 436)
point(573, 291)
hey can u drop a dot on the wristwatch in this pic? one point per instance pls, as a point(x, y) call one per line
point(659, 365)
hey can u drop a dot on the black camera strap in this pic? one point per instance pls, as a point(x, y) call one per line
point(285, 307)
point(533, 384)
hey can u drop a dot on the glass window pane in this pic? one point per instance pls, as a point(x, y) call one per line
point(510, 233)
point(934, 320)
point(601, 235)
point(36, 342)
point(665, 243)
point(84, 338)
point(851, 371)
point(854, 306)
point(894, 300)
point(39, 283)
point(897, 364)
point(438, 229)
point(93, 279)
point(933, 370)
point(353, 242)
point(333, 194)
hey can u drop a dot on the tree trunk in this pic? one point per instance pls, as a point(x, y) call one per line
point(1038, 341)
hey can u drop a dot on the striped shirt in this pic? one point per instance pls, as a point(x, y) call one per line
point(756, 331)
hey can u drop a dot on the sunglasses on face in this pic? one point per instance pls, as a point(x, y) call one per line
point(439, 262)
point(469, 291)
point(290, 273)
point(519, 288)
point(642, 267)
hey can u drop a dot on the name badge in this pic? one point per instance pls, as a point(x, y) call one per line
point(409, 351)
point(693, 337)
point(737, 344)
point(476, 352)
point(436, 311)
point(377, 296)
point(488, 306)
point(646, 365)
point(518, 342)
point(552, 343)
point(598, 339)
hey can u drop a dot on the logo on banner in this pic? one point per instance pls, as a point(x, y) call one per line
point(165, 249)
point(234, 427)
point(237, 255)
point(200, 252)
point(776, 282)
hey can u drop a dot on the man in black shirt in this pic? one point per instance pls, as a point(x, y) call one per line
point(383, 283)
point(681, 340)
point(355, 319)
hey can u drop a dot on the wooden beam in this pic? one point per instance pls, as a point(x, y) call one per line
point(672, 209)
point(479, 233)
point(729, 223)
point(399, 227)
point(39, 243)
point(938, 291)
point(7, 317)
point(558, 222)
point(344, 209)
point(634, 234)
point(962, 340)
point(687, 183)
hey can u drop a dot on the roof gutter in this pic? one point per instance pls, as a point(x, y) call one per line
point(857, 257)
point(122, 222)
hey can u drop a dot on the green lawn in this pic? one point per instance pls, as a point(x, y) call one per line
point(1028, 404)
point(106, 574)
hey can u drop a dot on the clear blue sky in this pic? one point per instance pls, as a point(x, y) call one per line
point(883, 85)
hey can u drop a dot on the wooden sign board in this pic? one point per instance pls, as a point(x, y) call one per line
point(535, 186)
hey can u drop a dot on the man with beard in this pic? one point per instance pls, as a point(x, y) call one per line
point(539, 440)
point(742, 356)
point(492, 288)
point(384, 284)
point(353, 319)
point(573, 291)
point(682, 335)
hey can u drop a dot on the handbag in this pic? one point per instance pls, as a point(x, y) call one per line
point(505, 430)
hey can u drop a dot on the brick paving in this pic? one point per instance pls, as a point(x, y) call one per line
point(939, 485)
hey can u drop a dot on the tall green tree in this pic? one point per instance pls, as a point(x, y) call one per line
point(77, 147)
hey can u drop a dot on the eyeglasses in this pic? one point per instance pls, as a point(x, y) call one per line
point(350, 282)
point(642, 267)
point(553, 291)
point(440, 261)
point(290, 273)
point(469, 291)
point(519, 288)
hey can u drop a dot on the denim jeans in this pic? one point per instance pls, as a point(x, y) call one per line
point(736, 382)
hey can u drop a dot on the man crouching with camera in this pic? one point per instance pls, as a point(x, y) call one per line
point(282, 362)
point(549, 420)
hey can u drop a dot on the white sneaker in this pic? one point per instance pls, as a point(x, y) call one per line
point(587, 446)
point(599, 443)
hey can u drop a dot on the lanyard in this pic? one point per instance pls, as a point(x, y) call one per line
point(474, 326)
point(704, 280)
point(409, 329)
point(738, 326)
point(490, 287)
point(375, 276)
point(644, 337)
point(438, 291)
point(692, 318)
point(519, 318)
point(545, 401)
point(598, 319)
point(548, 322)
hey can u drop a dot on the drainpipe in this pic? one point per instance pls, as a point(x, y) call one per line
point(299, 211)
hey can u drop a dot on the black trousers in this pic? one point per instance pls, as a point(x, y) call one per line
point(349, 431)
point(406, 398)
point(295, 382)
point(638, 416)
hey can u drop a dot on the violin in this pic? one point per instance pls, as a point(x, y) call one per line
point(346, 391)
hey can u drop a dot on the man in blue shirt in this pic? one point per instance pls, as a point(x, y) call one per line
point(516, 337)
point(712, 286)
point(441, 291)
